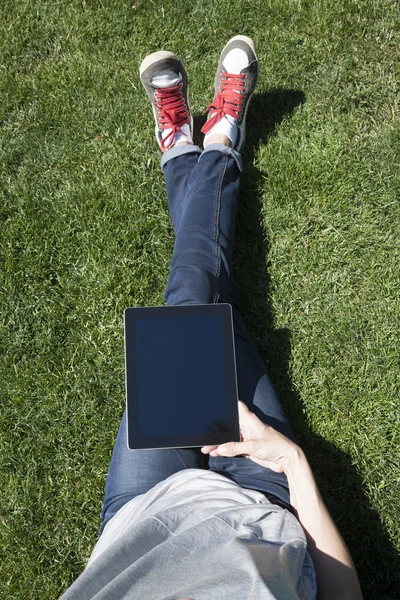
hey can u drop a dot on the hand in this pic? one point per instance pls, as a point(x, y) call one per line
point(261, 443)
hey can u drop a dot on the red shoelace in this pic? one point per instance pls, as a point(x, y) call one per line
point(228, 101)
point(172, 112)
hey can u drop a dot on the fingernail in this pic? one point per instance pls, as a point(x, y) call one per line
point(222, 449)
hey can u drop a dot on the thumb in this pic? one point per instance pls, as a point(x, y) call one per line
point(244, 411)
point(235, 448)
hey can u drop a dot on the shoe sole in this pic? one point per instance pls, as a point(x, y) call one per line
point(153, 58)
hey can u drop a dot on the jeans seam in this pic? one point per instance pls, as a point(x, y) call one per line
point(217, 250)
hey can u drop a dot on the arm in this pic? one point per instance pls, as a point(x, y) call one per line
point(336, 575)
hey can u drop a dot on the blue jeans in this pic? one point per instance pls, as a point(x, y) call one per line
point(203, 191)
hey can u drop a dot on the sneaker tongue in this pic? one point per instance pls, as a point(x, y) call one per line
point(165, 79)
point(235, 61)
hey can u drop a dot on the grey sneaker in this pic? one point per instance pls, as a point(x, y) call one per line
point(166, 83)
point(234, 85)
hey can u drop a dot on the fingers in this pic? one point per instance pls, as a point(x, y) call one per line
point(236, 448)
point(243, 408)
point(229, 449)
point(208, 449)
point(243, 413)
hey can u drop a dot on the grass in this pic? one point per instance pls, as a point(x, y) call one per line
point(85, 232)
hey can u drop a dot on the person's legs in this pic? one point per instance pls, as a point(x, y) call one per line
point(201, 273)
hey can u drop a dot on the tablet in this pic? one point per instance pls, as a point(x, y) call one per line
point(181, 387)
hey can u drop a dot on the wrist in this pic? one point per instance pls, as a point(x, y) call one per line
point(294, 461)
point(304, 493)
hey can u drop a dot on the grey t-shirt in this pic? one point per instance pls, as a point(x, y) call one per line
point(198, 535)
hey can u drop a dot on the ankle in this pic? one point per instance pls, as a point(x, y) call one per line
point(182, 143)
point(218, 138)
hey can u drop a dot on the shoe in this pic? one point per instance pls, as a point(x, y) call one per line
point(166, 83)
point(234, 85)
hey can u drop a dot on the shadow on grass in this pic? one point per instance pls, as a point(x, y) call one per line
point(376, 560)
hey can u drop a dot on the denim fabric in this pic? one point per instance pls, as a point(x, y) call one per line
point(203, 190)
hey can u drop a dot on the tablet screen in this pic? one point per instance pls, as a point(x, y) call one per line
point(183, 360)
point(181, 379)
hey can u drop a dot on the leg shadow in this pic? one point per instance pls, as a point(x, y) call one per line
point(376, 560)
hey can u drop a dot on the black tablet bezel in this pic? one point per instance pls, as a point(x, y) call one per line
point(134, 440)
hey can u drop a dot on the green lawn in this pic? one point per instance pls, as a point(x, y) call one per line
point(85, 232)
